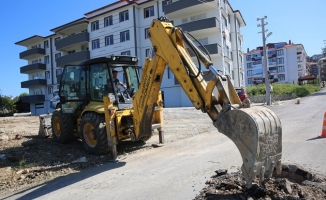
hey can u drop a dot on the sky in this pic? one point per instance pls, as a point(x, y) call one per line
point(298, 21)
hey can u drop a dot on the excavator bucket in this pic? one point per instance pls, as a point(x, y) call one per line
point(257, 133)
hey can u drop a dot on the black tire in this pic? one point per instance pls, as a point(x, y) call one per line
point(93, 133)
point(62, 127)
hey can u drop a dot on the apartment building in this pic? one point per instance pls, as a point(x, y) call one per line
point(286, 63)
point(121, 28)
point(322, 68)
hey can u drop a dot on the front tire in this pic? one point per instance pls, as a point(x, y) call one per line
point(93, 133)
point(62, 127)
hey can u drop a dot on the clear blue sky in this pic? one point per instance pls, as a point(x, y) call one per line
point(298, 21)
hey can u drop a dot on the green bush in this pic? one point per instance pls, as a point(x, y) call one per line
point(299, 90)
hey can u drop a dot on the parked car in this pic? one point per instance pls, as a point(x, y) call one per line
point(241, 93)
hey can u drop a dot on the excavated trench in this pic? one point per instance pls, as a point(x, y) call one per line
point(294, 182)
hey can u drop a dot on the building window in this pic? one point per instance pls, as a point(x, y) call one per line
point(108, 21)
point(249, 65)
point(72, 51)
point(249, 73)
point(279, 52)
point(125, 53)
point(224, 22)
point(47, 75)
point(109, 40)
point(198, 17)
point(280, 69)
point(147, 51)
point(149, 12)
point(280, 61)
point(46, 44)
point(185, 20)
point(124, 36)
point(96, 44)
point(46, 60)
point(123, 16)
point(248, 58)
point(57, 55)
point(164, 3)
point(281, 77)
point(34, 47)
point(298, 58)
point(58, 72)
point(146, 33)
point(95, 25)
point(50, 90)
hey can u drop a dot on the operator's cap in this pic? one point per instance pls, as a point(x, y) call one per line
point(114, 71)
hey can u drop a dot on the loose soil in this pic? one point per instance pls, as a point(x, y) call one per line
point(293, 183)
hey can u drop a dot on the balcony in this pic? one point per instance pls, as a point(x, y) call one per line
point(209, 25)
point(183, 7)
point(213, 49)
point(79, 38)
point(31, 53)
point(33, 83)
point(73, 58)
point(33, 98)
point(32, 68)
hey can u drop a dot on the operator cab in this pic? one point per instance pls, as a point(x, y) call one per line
point(93, 79)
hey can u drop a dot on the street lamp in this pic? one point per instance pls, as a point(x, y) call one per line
point(266, 70)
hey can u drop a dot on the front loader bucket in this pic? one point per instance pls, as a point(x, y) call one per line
point(257, 133)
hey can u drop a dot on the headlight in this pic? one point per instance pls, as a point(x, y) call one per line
point(113, 58)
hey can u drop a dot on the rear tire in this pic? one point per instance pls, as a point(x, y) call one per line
point(62, 127)
point(93, 133)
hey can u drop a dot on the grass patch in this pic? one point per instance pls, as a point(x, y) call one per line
point(299, 90)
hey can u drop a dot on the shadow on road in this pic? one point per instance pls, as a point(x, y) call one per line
point(315, 138)
point(318, 94)
point(64, 181)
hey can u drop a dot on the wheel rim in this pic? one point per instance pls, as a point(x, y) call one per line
point(56, 126)
point(89, 135)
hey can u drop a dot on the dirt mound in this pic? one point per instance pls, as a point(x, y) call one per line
point(292, 183)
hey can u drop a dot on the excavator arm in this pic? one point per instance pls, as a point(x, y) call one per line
point(256, 131)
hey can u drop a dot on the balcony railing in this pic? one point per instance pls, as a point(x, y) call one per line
point(32, 68)
point(177, 6)
point(201, 24)
point(213, 49)
point(33, 83)
point(33, 98)
point(72, 58)
point(72, 40)
point(31, 53)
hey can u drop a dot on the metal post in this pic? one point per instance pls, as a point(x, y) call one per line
point(266, 70)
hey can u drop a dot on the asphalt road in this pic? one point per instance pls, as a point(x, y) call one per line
point(179, 169)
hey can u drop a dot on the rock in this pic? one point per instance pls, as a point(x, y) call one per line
point(18, 137)
point(157, 145)
point(4, 137)
point(286, 186)
point(303, 173)
point(221, 172)
point(82, 159)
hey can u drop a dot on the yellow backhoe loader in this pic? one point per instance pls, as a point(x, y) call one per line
point(92, 105)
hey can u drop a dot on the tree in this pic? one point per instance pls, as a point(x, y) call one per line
point(20, 106)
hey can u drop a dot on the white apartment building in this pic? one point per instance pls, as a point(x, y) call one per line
point(286, 63)
point(122, 28)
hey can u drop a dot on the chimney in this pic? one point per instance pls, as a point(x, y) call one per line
point(247, 50)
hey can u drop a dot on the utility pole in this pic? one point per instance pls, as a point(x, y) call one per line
point(266, 70)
